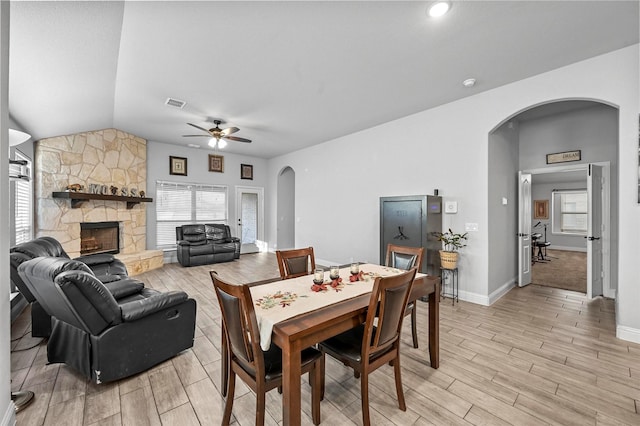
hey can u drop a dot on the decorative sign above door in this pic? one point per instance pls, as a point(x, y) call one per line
point(563, 157)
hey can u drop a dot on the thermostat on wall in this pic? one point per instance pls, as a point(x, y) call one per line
point(451, 207)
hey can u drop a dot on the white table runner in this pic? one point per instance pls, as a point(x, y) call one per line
point(281, 300)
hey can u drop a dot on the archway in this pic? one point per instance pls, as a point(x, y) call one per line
point(285, 209)
point(521, 142)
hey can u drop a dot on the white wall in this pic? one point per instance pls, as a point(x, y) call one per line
point(198, 172)
point(592, 130)
point(503, 226)
point(7, 415)
point(338, 183)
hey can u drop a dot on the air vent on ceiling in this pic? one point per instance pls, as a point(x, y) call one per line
point(175, 103)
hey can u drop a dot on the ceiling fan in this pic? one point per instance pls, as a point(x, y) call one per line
point(218, 135)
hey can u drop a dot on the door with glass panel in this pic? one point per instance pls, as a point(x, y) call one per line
point(250, 224)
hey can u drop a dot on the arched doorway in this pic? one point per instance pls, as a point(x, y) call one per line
point(522, 142)
point(286, 209)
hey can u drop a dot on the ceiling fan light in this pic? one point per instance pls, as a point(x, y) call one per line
point(439, 8)
point(212, 142)
point(222, 143)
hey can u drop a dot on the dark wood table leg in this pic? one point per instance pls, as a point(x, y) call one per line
point(291, 371)
point(434, 326)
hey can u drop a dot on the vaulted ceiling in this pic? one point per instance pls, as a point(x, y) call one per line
point(288, 74)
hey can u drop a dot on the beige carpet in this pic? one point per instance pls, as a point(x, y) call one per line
point(565, 269)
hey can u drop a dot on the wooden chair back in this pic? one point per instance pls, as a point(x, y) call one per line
point(403, 257)
point(243, 356)
point(240, 324)
point(296, 262)
point(388, 303)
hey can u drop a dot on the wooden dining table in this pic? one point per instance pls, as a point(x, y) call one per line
point(295, 334)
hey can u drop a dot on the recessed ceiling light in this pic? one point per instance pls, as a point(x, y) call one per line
point(439, 8)
point(193, 145)
point(470, 82)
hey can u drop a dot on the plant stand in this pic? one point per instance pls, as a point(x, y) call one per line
point(453, 279)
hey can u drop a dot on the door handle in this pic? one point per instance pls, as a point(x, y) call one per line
point(520, 234)
point(592, 238)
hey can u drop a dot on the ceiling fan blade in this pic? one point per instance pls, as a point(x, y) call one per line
point(198, 127)
point(229, 130)
point(196, 136)
point(237, 139)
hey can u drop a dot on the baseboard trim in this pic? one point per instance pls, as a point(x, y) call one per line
point(484, 300)
point(9, 418)
point(478, 299)
point(627, 333)
point(504, 289)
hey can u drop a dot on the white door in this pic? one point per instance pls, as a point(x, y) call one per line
point(250, 210)
point(524, 229)
point(595, 259)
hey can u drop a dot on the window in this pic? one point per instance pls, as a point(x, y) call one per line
point(570, 211)
point(182, 203)
point(22, 200)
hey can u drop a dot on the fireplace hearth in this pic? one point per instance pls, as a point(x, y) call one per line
point(99, 237)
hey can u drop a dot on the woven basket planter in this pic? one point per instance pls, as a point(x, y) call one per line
point(448, 259)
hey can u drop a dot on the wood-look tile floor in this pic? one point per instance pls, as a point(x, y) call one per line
point(537, 356)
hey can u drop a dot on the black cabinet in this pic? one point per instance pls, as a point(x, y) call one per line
point(412, 221)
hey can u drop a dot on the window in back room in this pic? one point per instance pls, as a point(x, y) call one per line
point(569, 212)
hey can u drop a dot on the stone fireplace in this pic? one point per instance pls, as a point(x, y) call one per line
point(99, 237)
point(104, 157)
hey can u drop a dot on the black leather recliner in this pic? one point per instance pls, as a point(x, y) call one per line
point(203, 244)
point(106, 267)
point(100, 337)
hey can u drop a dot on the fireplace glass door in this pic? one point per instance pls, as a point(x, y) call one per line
point(99, 237)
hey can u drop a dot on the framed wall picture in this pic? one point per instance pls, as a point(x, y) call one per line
point(177, 166)
point(246, 171)
point(541, 209)
point(216, 163)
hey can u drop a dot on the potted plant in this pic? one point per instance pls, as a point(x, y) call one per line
point(452, 243)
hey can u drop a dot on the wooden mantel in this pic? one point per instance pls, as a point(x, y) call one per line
point(79, 197)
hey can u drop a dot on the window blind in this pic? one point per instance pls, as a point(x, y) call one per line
point(571, 217)
point(182, 203)
point(22, 209)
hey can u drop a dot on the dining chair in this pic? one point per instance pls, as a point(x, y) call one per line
point(260, 370)
point(375, 343)
point(403, 257)
point(296, 262)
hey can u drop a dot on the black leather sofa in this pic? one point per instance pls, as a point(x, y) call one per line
point(100, 337)
point(106, 267)
point(203, 244)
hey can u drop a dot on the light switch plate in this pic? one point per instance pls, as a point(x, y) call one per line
point(451, 207)
point(471, 227)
